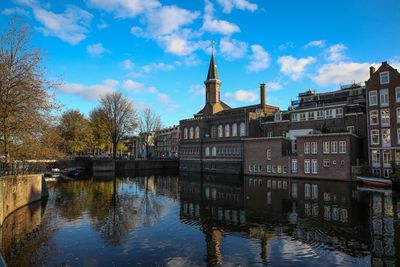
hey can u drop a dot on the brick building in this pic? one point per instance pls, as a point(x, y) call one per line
point(167, 142)
point(383, 89)
point(211, 140)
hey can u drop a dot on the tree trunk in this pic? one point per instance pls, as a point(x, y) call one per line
point(114, 150)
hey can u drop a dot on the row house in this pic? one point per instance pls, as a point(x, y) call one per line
point(167, 142)
point(383, 89)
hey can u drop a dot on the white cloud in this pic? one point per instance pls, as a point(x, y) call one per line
point(213, 25)
point(96, 50)
point(71, 26)
point(294, 67)
point(189, 61)
point(316, 43)
point(286, 45)
point(342, 73)
point(102, 25)
point(232, 49)
point(242, 96)
point(127, 64)
point(336, 53)
point(259, 60)
point(167, 102)
point(15, 11)
point(137, 87)
point(167, 25)
point(229, 5)
point(197, 89)
point(92, 92)
point(125, 8)
point(157, 66)
point(273, 86)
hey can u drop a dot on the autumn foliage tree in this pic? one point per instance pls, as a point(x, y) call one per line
point(25, 101)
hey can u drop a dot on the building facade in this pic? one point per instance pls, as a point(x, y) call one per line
point(167, 142)
point(383, 89)
point(211, 141)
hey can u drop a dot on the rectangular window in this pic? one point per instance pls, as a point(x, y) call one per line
point(326, 163)
point(373, 117)
point(328, 114)
point(326, 147)
point(397, 94)
point(284, 169)
point(311, 115)
point(294, 117)
point(398, 136)
point(339, 112)
point(307, 166)
point(294, 165)
point(273, 169)
point(279, 169)
point(269, 168)
point(307, 191)
point(294, 190)
point(384, 96)
point(342, 147)
point(385, 117)
point(314, 166)
point(307, 148)
point(387, 173)
point(373, 98)
point(314, 148)
point(386, 157)
point(397, 158)
point(384, 77)
point(320, 114)
point(376, 158)
point(270, 134)
point(302, 116)
point(375, 137)
point(334, 147)
point(268, 154)
point(385, 137)
point(398, 115)
point(350, 129)
point(314, 192)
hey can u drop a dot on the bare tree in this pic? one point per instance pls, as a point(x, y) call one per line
point(149, 122)
point(117, 117)
point(25, 101)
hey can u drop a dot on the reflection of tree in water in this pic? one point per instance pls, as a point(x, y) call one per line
point(150, 209)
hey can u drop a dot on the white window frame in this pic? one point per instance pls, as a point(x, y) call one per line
point(385, 117)
point(220, 131)
point(373, 95)
point(386, 131)
point(374, 114)
point(294, 117)
point(303, 116)
point(384, 97)
point(350, 129)
point(234, 129)
point(342, 147)
point(398, 136)
point(326, 163)
point(334, 147)
point(306, 147)
point(373, 133)
point(307, 166)
point(320, 114)
point(185, 133)
point(197, 132)
point(326, 147)
point(397, 90)
point(311, 115)
point(376, 158)
point(269, 154)
point(328, 114)
point(242, 129)
point(207, 152)
point(314, 166)
point(214, 151)
point(227, 130)
point(294, 166)
point(268, 169)
point(382, 74)
point(339, 112)
point(386, 158)
point(314, 148)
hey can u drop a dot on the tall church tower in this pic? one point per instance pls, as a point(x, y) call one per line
point(213, 84)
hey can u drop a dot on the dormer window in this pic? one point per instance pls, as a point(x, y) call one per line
point(384, 77)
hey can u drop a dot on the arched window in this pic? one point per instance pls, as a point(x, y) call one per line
point(207, 152)
point(213, 132)
point(227, 130)
point(197, 132)
point(191, 133)
point(214, 151)
point(234, 129)
point(185, 133)
point(220, 131)
point(242, 129)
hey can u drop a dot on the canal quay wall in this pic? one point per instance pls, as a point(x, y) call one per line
point(18, 191)
point(133, 165)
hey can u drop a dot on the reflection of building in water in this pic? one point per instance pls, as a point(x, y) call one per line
point(382, 229)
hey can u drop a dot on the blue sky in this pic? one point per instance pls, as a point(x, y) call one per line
point(157, 52)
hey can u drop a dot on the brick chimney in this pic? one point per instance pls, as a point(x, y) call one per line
point(262, 96)
point(371, 71)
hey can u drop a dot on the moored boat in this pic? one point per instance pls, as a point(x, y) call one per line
point(374, 181)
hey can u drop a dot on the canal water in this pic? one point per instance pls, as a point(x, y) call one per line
point(189, 220)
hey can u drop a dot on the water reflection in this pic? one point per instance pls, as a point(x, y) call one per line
point(204, 220)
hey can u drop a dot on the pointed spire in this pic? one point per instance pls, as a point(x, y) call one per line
point(212, 69)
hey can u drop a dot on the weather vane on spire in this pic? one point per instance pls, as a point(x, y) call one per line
point(212, 46)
